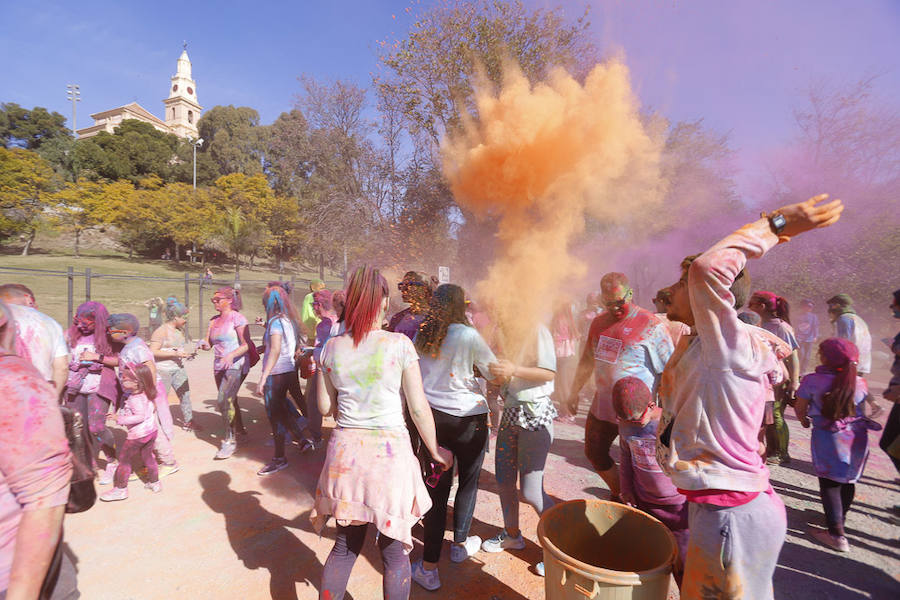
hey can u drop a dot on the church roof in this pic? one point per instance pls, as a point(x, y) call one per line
point(133, 107)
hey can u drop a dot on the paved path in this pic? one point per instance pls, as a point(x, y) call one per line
point(219, 531)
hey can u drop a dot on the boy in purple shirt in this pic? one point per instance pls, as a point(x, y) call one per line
point(643, 483)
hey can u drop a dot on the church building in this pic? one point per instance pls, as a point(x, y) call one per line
point(182, 111)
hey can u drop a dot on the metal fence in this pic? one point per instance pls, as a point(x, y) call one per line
point(194, 289)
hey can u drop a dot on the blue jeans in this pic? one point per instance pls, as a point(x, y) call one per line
point(177, 379)
point(283, 415)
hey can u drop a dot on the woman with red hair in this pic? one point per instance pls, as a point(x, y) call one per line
point(370, 474)
point(831, 400)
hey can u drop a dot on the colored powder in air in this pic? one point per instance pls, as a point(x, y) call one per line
point(540, 158)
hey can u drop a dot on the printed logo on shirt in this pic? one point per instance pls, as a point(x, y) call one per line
point(643, 454)
point(608, 349)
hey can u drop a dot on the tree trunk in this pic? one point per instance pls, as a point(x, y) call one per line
point(77, 243)
point(237, 263)
point(321, 266)
point(28, 242)
point(177, 253)
point(250, 265)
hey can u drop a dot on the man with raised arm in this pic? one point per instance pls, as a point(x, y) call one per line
point(713, 393)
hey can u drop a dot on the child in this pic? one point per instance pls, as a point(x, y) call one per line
point(138, 414)
point(644, 485)
point(831, 400)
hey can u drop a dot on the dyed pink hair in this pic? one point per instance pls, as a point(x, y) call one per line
point(101, 321)
point(367, 289)
point(839, 356)
point(777, 305)
point(233, 295)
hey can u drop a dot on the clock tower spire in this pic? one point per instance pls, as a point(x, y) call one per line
point(182, 109)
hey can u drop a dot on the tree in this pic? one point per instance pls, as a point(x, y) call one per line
point(20, 127)
point(237, 234)
point(26, 183)
point(135, 150)
point(431, 69)
point(80, 206)
point(233, 139)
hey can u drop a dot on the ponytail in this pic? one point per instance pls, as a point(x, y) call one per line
point(840, 357)
point(783, 309)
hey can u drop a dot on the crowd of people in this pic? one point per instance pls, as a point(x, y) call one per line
point(695, 391)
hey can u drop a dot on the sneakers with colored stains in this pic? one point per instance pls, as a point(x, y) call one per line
point(460, 552)
point(430, 580)
point(226, 450)
point(275, 465)
point(835, 542)
point(153, 486)
point(108, 473)
point(503, 541)
point(165, 470)
point(115, 494)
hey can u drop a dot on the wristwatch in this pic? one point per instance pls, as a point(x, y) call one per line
point(776, 222)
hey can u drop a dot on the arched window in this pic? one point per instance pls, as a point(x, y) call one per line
point(190, 116)
point(173, 113)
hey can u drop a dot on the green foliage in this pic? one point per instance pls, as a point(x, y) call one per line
point(20, 127)
point(233, 139)
point(26, 183)
point(432, 67)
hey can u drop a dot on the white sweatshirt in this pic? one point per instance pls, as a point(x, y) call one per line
point(714, 388)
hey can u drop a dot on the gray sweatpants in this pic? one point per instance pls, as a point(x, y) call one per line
point(733, 551)
point(522, 453)
point(177, 379)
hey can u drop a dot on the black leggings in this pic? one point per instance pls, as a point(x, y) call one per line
point(836, 498)
point(347, 546)
point(466, 438)
point(283, 415)
point(891, 431)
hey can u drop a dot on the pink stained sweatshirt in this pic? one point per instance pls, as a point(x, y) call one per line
point(714, 388)
point(138, 415)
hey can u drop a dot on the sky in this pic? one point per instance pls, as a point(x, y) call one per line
point(740, 65)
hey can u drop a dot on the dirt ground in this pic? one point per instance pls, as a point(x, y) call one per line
point(219, 531)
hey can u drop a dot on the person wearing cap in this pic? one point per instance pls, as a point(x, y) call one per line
point(806, 327)
point(644, 485)
point(308, 318)
point(850, 326)
point(623, 341)
point(713, 393)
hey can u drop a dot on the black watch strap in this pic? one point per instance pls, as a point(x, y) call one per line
point(777, 223)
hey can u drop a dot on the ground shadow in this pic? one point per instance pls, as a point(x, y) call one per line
point(262, 539)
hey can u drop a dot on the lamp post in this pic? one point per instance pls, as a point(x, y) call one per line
point(196, 144)
point(73, 93)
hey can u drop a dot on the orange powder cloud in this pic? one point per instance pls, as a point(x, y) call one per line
point(540, 157)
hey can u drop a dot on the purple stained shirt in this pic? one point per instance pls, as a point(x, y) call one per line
point(839, 448)
point(639, 472)
point(35, 463)
point(406, 322)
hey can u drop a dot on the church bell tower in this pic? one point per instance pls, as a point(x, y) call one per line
point(182, 109)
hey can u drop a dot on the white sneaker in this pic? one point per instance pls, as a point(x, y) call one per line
point(153, 486)
point(539, 569)
point(460, 552)
point(502, 541)
point(108, 473)
point(226, 450)
point(430, 580)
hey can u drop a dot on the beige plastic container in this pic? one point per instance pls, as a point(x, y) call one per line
point(605, 551)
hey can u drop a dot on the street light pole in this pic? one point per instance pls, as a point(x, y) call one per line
point(195, 144)
point(73, 93)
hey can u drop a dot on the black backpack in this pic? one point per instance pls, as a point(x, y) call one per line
point(82, 494)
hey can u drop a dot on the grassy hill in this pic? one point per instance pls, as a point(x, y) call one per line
point(129, 295)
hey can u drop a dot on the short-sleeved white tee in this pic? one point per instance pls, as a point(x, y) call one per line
point(39, 339)
point(283, 327)
point(523, 391)
point(135, 352)
point(368, 378)
point(448, 378)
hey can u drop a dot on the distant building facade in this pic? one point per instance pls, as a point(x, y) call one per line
point(182, 111)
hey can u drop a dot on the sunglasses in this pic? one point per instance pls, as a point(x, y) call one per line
point(217, 299)
point(111, 330)
point(615, 304)
point(406, 285)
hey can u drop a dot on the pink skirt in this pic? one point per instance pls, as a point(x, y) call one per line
point(371, 475)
